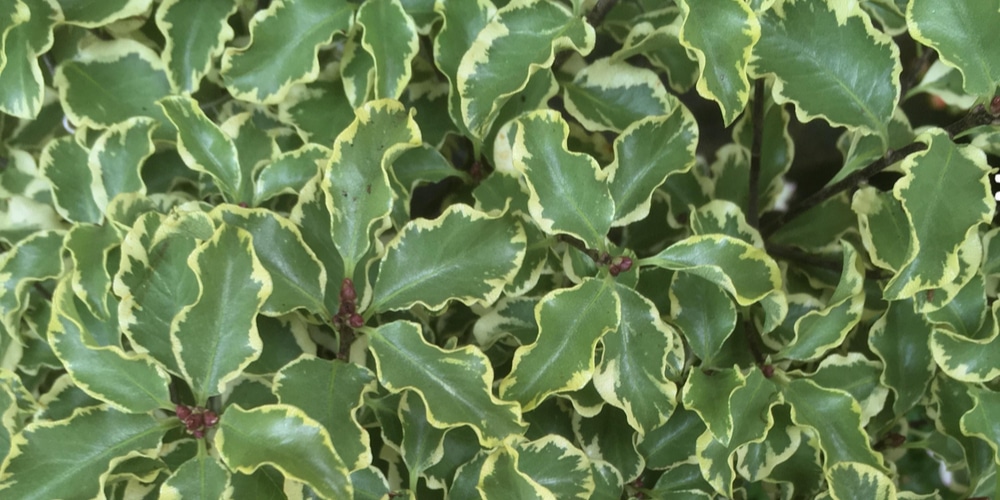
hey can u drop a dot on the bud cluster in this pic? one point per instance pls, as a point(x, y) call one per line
point(196, 420)
point(347, 318)
point(616, 265)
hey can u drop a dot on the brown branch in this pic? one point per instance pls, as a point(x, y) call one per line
point(757, 118)
point(908, 80)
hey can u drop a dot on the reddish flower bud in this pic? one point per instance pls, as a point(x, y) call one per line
point(182, 411)
point(995, 106)
point(198, 433)
point(767, 370)
point(347, 307)
point(211, 418)
point(243, 204)
point(614, 269)
point(347, 293)
point(194, 422)
point(625, 264)
point(356, 321)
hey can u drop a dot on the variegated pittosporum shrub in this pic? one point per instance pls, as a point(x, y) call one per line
point(470, 249)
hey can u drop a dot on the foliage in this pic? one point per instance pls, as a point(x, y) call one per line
point(487, 249)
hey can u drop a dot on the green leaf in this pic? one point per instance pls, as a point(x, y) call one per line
point(856, 480)
point(390, 36)
point(721, 34)
point(356, 175)
point(777, 151)
point(196, 31)
point(819, 331)
point(26, 36)
point(558, 466)
point(206, 148)
point(110, 82)
point(33, 259)
point(939, 224)
point(133, 383)
point(841, 439)
point(820, 226)
point(481, 255)
point(672, 443)
point(885, 230)
point(319, 111)
point(658, 39)
point(61, 163)
point(521, 39)
point(265, 70)
point(900, 338)
point(569, 193)
point(746, 272)
point(462, 22)
point(969, 359)
point(312, 215)
point(456, 381)
point(422, 445)
point(980, 421)
point(608, 95)
point(201, 477)
point(829, 61)
point(423, 165)
point(117, 156)
point(709, 395)
point(856, 375)
point(750, 407)
point(297, 276)
point(630, 375)
point(646, 154)
point(289, 172)
point(71, 458)
point(154, 281)
point(609, 437)
point(357, 69)
point(330, 392)
point(960, 32)
point(90, 14)
point(861, 149)
point(704, 313)
point(285, 438)
point(215, 338)
point(501, 477)
point(757, 460)
point(570, 323)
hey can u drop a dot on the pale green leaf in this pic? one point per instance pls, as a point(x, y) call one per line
point(357, 69)
point(817, 332)
point(756, 460)
point(196, 31)
point(521, 39)
point(724, 217)
point(133, 383)
point(457, 381)
point(569, 193)
point(63, 163)
point(285, 438)
point(608, 95)
point(117, 156)
point(463, 255)
point(289, 172)
point(704, 313)
point(721, 34)
point(607, 436)
point(319, 111)
point(71, 458)
point(422, 445)
point(25, 37)
point(828, 59)
point(747, 273)
point(111, 81)
point(206, 148)
point(630, 375)
point(154, 281)
point(659, 41)
point(646, 154)
point(570, 323)
point(501, 477)
point(215, 338)
point(885, 230)
point(390, 36)
point(330, 392)
point(557, 465)
point(841, 439)
point(462, 22)
point(709, 395)
point(900, 338)
point(92, 14)
point(850, 480)
point(356, 175)
point(961, 31)
point(201, 477)
point(297, 276)
point(33, 259)
point(264, 70)
point(940, 223)
point(969, 359)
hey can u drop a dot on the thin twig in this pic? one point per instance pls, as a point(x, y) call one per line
point(908, 80)
point(601, 9)
point(757, 120)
